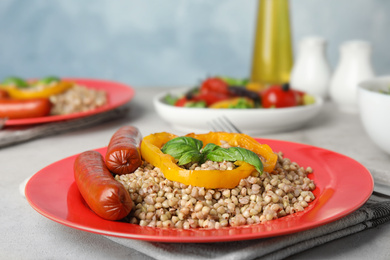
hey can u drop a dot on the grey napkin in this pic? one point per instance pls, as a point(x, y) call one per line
point(374, 212)
point(16, 134)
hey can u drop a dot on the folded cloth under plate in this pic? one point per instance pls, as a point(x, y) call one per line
point(18, 134)
point(374, 212)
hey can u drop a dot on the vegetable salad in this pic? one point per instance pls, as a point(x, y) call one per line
point(225, 92)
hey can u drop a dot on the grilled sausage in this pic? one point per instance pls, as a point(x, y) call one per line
point(26, 108)
point(3, 94)
point(105, 196)
point(123, 152)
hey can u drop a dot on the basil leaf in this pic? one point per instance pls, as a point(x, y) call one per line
point(233, 154)
point(200, 104)
point(185, 140)
point(178, 146)
point(48, 80)
point(15, 81)
point(177, 150)
point(170, 100)
point(189, 150)
point(190, 157)
point(249, 157)
point(235, 81)
point(220, 155)
point(207, 149)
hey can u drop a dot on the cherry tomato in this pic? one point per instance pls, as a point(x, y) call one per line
point(181, 102)
point(215, 85)
point(278, 96)
point(299, 96)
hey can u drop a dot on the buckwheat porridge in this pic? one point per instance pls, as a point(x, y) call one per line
point(77, 99)
point(257, 199)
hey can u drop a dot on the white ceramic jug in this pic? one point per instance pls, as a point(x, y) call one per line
point(354, 66)
point(311, 71)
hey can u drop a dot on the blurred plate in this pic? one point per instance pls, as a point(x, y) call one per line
point(250, 121)
point(117, 94)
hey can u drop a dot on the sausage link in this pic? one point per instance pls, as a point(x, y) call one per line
point(105, 196)
point(123, 152)
point(3, 94)
point(27, 108)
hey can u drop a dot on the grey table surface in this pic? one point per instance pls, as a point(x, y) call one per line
point(25, 234)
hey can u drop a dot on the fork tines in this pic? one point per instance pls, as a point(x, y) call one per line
point(223, 124)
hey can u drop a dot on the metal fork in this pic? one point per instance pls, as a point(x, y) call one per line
point(223, 124)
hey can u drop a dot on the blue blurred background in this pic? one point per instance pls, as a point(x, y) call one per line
point(169, 43)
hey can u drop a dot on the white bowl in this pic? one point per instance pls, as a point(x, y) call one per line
point(250, 121)
point(374, 110)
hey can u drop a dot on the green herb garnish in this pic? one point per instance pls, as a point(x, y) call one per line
point(385, 91)
point(49, 80)
point(199, 104)
point(186, 147)
point(170, 100)
point(189, 150)
point(242, 103)
point(234, 81)
point(15, 81)
point(233, 154)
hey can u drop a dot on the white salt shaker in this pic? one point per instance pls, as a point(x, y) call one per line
point(311, 72)
point(354, 66)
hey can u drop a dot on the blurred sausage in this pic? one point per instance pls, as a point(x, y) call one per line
point(3, 94)
point(27, 108)
point(107, 197)
point(123, 152)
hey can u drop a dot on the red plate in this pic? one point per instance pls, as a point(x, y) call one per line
point(117, 94)
point(343, 185)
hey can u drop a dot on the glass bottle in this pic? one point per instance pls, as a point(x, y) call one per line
point(272, 53)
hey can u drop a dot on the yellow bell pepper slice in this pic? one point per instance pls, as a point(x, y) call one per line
point(37, 91)
point(151, 152)
point(232, 102)
point(255, 86)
